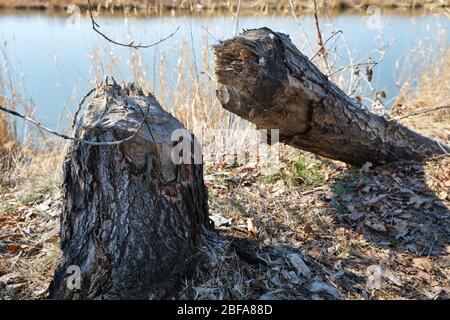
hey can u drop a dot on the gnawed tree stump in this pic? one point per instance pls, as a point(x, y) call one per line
point(265, 79)
point(132, 219)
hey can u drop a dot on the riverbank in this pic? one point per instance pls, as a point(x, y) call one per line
point(218, 5)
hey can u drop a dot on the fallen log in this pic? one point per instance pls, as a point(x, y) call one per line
point(132, 219)
point(264, 78)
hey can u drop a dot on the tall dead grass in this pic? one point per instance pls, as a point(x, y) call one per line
point(27, 156)
point(430, 89)
point(9, 148)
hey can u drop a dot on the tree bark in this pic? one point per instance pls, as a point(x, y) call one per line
point(132, 220)
point(265, 79)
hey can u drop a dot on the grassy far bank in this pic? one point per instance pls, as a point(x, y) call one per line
point(198, 5)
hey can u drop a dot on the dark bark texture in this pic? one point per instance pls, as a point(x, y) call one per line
point(132, 220)
point(265, 79)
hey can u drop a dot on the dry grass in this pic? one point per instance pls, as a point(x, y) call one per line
point(8, 144)
point(8, 148)
point(348, 221)
point(29, 209)
point(431, 89)
point(29, 224)
point(354, 222)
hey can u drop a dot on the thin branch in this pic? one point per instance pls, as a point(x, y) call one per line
point(211, 35)
point(95, 27)
point(237, 17)
point(442, 147)
point(382, 51)
point(80, 105)
point(417, 113)
point(319, 36)
point(372, 63)
point(325, 43)
point(145, 120)
point(66, 137)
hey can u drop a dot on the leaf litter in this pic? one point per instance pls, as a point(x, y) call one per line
point(373, 233)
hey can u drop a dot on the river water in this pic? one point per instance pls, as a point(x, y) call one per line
point(52, 61)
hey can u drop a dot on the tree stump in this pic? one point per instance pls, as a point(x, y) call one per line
point(265, 79)
point(132, 220)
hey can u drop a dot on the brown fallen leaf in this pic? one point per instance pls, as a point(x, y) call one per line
point(316, 252)
point(376, 225)
point(355, 216)
point(258, 285)
point(307, 228)
point(323, 287)
point(375, 200)
point(251, 226)
point(3, 271)
point(13, 248)
point(417, 201)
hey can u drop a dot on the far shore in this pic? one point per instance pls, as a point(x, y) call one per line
point(152, 6)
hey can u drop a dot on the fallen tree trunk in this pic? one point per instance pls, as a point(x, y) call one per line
point(265, 79)
point(132, 219)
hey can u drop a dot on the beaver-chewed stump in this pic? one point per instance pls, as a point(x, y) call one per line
point(133, 220)
point(265, 79)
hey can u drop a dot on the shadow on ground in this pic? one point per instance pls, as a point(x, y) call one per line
point(369, 233)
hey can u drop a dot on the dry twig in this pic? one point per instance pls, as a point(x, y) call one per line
point(66, 137)
point(319, 36)
point(237, 17)
point(95, 27)
point(420, 112)
point(322, 48)
point(80, 105)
